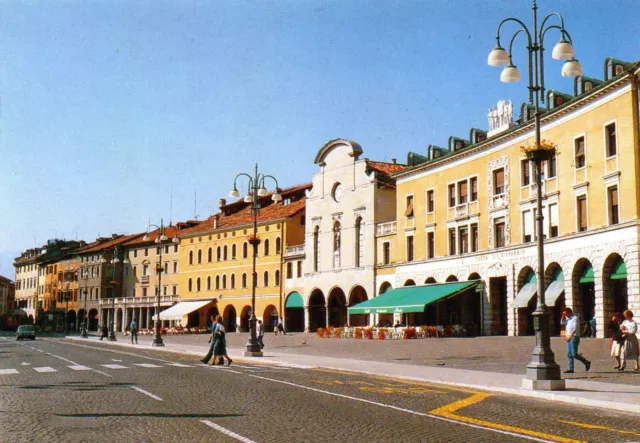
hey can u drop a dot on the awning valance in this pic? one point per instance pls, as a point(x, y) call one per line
point(555, 289)
point(179, 310)
point(619, 271)
point(587, 275)
point(527, 292)
point(410, 299)
point(294, 300)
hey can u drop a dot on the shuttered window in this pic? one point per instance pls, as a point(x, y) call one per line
point(582, 213)
point(580, 154)
point(452, 196)
point(498, 181)
point(614, 217)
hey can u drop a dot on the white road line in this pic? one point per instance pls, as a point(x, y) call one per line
point(8, 371)
point(397, 408)
point(39, 350)
point(115, 366)
point(227, 432)
point(79, 368)
point(224, 369)
point(180, 365)
point(297, 366)
point(147, 365)
point(45, 369)
point(153, 396)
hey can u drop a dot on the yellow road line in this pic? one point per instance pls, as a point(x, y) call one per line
point(599, 427)
point(449, 411)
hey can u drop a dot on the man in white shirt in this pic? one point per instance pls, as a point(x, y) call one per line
point(572, 335)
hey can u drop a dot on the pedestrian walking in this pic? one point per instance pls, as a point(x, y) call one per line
point(133, 329)
point(630, 351)
point(220, 344)
point(105, 332)
point(212, 328)
point(260, 334)
point(572, 335)
point(281, 328)
point(617, 341)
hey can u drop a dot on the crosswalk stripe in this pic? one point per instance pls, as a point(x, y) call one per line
point(147, 365)
point(180, 365)
point(8, 371)
point(45, 369)
point(115, 366)
point(79, 368)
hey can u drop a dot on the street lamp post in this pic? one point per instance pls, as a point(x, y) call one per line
point(114, 261)
point(542, 371)
point(255, 190)
point(85, 277)
point(159, 240)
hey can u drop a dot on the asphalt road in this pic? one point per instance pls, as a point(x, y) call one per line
point(55, 390)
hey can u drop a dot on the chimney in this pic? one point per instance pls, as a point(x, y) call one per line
point(222, 202)
point(216, 217)
point(393, 160)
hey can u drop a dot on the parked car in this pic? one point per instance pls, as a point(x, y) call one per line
point(26, 331)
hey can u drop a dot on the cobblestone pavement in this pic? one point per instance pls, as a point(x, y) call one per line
point(59, 391)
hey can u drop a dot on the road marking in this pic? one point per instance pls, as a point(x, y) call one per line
point(115, 359)
point(79, 368)
point(115, 366)
point(449, 411)
point(153, 396)
point(147, 365)
point(180, 365)
point(227, 432)
point(603, 428)
point(222, 368)
point(8, 371)
point(296, 366)
point(24, 363)
point(39, 350)
point(45, 369)
point(103, 348)
point(491, 428)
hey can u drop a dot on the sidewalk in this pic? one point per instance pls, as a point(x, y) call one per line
point(608, 395)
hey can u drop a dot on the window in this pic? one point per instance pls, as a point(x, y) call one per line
point(527, 226)
point(526, 172)
point(135, 271)
point(553, 220)
point(299, 266)
point(266, 278)
point(218, 254)
point(452, 241)
point(175, 267)
point(135, 253)
point(217, 282)
point(166, 267)
point(145, 291)
point(463, 237)
point(431, 244)
point(452, 196)
point(224, 282)
point(233, 281)
point(210, 255)
point(175, 290)
point(166, 251)
point(158, 251)
point(582, 213)
point(409, 208)
point(289, 270)
point(245, 250)
point(386, 253)
point(266, 247)
point(336, 244)
point(474, 237)
point(410, 248)
point(430, 202)
point(175, 249)
point(580, 155)
point(499, 233)
point(302, 220)
point(225, 255)
point(145, 269)
point(190, 257)
point(277, 278)
point(498, 181)
point(244, 280)
point(190, 287)
point(146, 252)
point(198, 285)
point(316, 251)
point(552, 167)
point(610, 140)
point(199, 256)
point(359, 249)
point(614, 217)
point(278, 245)
point(474, 189)
point(208, 283)
point(233, 251)
point(164, 288)
point(462, 192)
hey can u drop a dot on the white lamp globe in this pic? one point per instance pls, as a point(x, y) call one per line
point(510, 74)
point(572, 68)
point(234, 193)
point(498, 57)
point(562, 50)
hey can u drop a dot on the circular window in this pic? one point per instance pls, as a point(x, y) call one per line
point(337, 192)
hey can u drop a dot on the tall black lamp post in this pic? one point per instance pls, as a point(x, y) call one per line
point(255, 190)
point(83, 275)
point(114, 262)
point(543, 372)
point(159, 240)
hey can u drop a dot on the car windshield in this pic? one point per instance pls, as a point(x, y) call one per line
point(27, 328)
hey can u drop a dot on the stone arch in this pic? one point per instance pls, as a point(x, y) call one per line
point(269, 318)
point(210, 255)
point(245, 315)
point(93, 319)
point(451, 278)
point(72, 324)
point(384, 287)
point(357, 295)
point(583, 290)
point(474, 276)
point(524, 318)
point(554, 272)
point(119, 320)
point(337, 307)
point(615, 297)
point(429, 281)
point(229, 318)
point(317, 310)
point(199, 256)
point(294, 314)
point(409, 282)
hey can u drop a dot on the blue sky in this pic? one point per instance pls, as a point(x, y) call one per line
point(105, 106)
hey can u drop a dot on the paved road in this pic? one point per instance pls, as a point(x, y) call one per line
point(54, 390)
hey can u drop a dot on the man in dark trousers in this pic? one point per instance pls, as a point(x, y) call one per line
point(260, 334)
point(133, 327)
point(105, 332)
point(212, 328)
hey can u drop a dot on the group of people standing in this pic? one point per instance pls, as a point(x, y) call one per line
point(624, 340)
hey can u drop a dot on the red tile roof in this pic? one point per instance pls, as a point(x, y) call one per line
point(169, 231)
point(385, 168)
point(103, 244)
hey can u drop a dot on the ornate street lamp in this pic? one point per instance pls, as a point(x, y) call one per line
point(114, 261)
point(255, 190)
point(542, 372)
point(82, 274)
point(160, 239)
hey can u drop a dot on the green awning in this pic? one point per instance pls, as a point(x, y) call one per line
point(555, 289)
point(619, 270)
point(527, 292)
point(294, 300)
point(587, 275)
point(410, 299)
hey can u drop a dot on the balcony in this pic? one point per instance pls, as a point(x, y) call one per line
point(387, 228)
point(165, 300)
point(144, 279)
point(293, 251)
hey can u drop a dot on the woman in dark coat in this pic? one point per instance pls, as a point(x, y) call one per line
point(220, 344)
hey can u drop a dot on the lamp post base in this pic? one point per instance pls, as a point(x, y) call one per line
point(543, 373)
point(157, 341)
point(84, 333)
point(112, 337)
point(252, 348)
point(543, 385)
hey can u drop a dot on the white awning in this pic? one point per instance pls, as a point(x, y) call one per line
point(552, 293)
point(526, 293)
point(179, 310)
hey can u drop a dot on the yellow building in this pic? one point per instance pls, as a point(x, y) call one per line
point(468, 213)
point(215, 260)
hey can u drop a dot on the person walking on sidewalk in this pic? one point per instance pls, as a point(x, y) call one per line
point(572, 335)
point(220, 344)
point(133, 329)
point(105, 332)
point(617, 341)
point(260, 334)
point(630, 351)
point(212, 327)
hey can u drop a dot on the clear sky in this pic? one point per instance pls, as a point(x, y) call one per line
point(105, 106)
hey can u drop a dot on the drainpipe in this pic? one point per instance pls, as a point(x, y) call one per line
point(635, 110)
point(373, 318)
point(283, 248)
